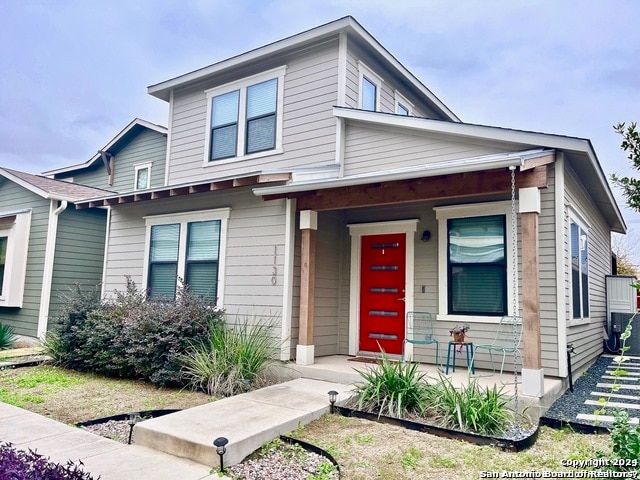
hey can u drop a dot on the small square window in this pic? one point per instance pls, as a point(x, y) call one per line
point(402, 110)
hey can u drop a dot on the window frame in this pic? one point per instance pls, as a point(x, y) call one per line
point(16, 226)
point(137, 168)
point(443, 214)
point(183, 219)
point(401, 101)
point(241, 133)
point(366, 72)
point(575, 218)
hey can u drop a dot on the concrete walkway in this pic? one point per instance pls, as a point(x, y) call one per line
point(247, 420)
point(110, 459)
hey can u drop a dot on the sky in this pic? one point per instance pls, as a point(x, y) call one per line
point(74, 73)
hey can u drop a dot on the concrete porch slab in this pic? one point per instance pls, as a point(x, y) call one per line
point(247, 420)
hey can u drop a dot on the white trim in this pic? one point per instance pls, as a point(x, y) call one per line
point(242, 85)
point(167, 160)
point(105, 260)
point(399, 99)
point(374, 79)
point(15, 267)
point(561, 279)
point(288, 281)
point(408, 227)
point(183, 219)
point(47, 271)
point(136, 169)
point(342, 69)
point(465, 211)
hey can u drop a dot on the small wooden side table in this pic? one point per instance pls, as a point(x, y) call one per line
point(468, 346)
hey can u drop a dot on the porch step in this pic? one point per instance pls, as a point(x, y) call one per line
point(247, 420)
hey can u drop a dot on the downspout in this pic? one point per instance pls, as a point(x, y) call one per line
point(47, 274)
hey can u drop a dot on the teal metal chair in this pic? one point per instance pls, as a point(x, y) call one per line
point(507, 340)
point(419, 331)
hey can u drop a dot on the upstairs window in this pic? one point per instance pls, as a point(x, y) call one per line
point(142, 176)
point(579, 271)
point(403, 106)
point(402, 110)
point(244, 119)
point(370, 85)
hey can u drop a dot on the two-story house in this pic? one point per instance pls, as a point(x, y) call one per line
point(318, 181)
point(46, 244)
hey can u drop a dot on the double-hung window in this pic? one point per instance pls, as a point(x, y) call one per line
point(579, 271)
point(475, 261)
point(244, 119)
point(188, 246)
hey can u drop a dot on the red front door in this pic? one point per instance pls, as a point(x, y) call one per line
point(382, 284)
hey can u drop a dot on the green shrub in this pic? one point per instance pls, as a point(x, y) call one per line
point(129, 336)
point(396, 389)
point(233, 358)
point(470, 407)
point(7, 337)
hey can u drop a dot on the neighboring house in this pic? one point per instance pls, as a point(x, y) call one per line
point(315, 179)
point(46, 244)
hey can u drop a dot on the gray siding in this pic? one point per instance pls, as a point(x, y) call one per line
point(254, 255)
point(310, 91)
point(587, 337)
point(371, 149)
point(79, 252)
point(143, 147)
point(14, 197)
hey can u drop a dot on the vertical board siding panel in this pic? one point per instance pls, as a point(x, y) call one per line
point(79, 254)
point(587, 337)
point(310, 80)
point(13, 197)
point(327, 297)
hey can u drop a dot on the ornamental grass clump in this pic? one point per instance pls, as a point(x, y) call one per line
point(395, 389)
point(470, 408)
point(7, 337)
point(233, 359)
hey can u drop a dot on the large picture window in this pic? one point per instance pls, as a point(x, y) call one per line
point(245, 118)
point(477, 267)
point(477, 270)
point(579, 271)
point(186, 246)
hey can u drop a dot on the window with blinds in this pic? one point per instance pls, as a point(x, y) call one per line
point(203, 249)
point(477, 268)
point(163, 261)
point(224, 125)
point(261, 116)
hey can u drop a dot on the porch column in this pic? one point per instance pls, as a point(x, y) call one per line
point(532, 372)
point(305, 351)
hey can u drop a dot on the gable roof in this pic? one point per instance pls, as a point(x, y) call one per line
point(347, 24)
point(136, 125)
point(49, 188)
point(578, 151)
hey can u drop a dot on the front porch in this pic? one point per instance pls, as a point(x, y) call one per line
point(343, 369)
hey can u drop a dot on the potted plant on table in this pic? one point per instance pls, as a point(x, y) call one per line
point(459, 333)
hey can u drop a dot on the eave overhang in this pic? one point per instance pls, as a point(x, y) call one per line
point(218, 184)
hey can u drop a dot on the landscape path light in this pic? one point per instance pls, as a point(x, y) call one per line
point(221, 447)
point(333, 396)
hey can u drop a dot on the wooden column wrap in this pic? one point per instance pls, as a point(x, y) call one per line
point(531, 292)
point(307, 286)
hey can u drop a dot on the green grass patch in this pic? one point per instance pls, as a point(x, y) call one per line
point(21, 352)
point(19, 399)
point(51, 377)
